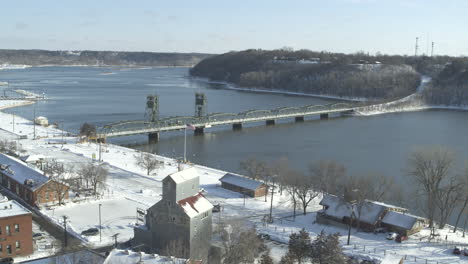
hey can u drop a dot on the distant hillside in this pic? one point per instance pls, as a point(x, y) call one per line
point(99, 58)
point(321, 73)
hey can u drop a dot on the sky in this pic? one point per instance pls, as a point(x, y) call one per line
point(218, 26)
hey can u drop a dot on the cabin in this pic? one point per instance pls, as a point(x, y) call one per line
point(243, 185)
point(338, 212)
point(402, 223)
point(28, 183)
point(182, 219)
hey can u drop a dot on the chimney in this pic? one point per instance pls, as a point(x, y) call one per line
point(11, 206)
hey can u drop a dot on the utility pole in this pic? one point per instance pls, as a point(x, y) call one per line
point(34, 121)
point(65, 230)
point(62, 128)
point(416, 47)
point(13, 122)
point(350, 222)
point(271, 203)
point(100, 150)
point(100, 226)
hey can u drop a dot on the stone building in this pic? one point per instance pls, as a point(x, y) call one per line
point(179, 224)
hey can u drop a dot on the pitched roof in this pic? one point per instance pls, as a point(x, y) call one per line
point(118, 256)
point(20, 172)
point(241, 181)
point(195, 205)
point(405, 221)
point(184, 175)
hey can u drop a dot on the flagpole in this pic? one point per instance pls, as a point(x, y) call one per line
point(185, 143)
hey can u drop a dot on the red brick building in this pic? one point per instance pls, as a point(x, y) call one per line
point(28, 183)
point(15, 230)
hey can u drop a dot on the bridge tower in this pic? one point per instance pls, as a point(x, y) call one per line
point(200, 105)
point(152, 113)
point(152, 107)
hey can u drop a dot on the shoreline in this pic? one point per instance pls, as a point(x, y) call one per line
point(22, 67)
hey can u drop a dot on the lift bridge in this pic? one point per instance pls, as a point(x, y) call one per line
point(154, 126)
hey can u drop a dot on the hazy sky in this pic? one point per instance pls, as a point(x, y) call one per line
point(216, 26)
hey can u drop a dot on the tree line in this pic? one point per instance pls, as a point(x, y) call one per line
point(350, 75)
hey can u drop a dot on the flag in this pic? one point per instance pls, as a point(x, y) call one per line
point(189, 126)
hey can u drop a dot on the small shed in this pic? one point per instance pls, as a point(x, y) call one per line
point(401, 223)
point(240, 184)
point(42, 121)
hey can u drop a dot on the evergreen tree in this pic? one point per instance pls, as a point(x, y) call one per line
point(266, 259)
point(299, 246)
point(326, 249)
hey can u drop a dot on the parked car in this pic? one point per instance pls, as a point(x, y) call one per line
point(456, 251)
point(392, 236)
point(7, 261)
point(263, 236)
point(90, 232)
point(465, 252)
point(38, 236)
point(216, 208)
point(401, 238)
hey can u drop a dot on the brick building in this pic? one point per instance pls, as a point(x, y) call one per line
point(15, 230)
point(28, 183)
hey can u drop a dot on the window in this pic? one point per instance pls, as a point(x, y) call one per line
point(17, 228)
point(173, 219)
point(17, 189)
point(0, 230)
point(7, 229)
point(8, 249)
point(1, 248)
point(9, 184)
point(18, 244)
point(205, 214)
point(47, 196)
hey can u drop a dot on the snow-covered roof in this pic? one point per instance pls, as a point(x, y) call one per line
point(118, 256)
point(20, 172)
point(85, 256)
point(12, 208)
point(405, 221)
point(32, 158)
point(184, 175)
point(240, 181)
point(370, 211)
point(195, 205)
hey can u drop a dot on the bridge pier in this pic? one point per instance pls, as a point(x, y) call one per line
point(299, 118)
point(237, 126)
point(323, 116)
point(270, 122)
point(199, 131)
point(153, 138)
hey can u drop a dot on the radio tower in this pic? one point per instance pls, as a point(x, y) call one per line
point(416, 47)
point(432, 50)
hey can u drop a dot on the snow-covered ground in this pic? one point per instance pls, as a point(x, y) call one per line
point(128, 188)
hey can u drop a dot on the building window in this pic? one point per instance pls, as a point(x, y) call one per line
point(1, 248)
point(0, 230)
point(7, 229)
point(17, 189)
point(8, 249)
point(18, 244)
point(173, 219)
point(9, 184)
point(205, 214)
point(17, 228)
point(47, 196)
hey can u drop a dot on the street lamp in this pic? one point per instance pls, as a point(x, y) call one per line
point(100, 226)
point(271, 204)
point(352, 215)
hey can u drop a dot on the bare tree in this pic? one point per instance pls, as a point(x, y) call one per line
point(305, 190)
point(87, 130)
point(147, 162)
point(177, 248)
point(328, 175)
point(279, 168)
point(57, 173)
point(255, 169)
point(430, 167)
point(292, 183)
point(95, 175)
point(463, 194)
point(241, 244)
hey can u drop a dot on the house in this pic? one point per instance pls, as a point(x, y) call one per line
point(402, 223)
point(28, 183)
point(370, 213)
point(180, 223)
point(15, 229)
point(118, 256)
point(240, 184)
